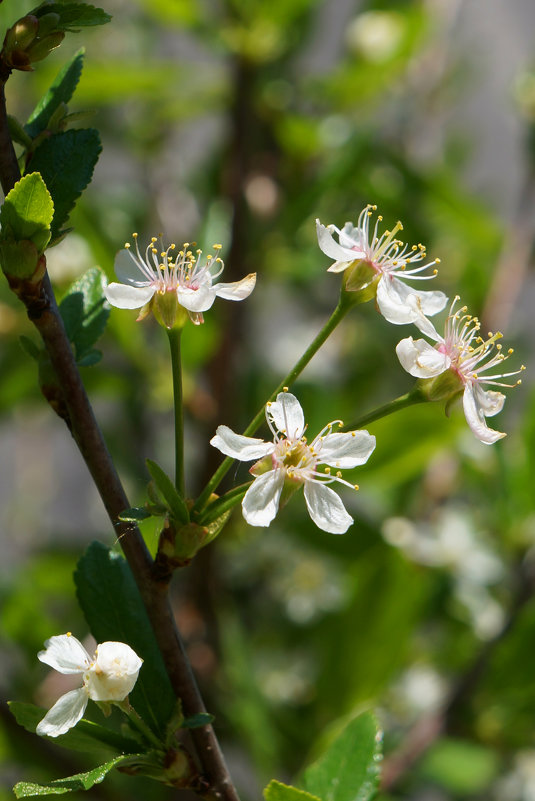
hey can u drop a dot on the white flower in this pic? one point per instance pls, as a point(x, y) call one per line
point(109, 676)
point(183, 279)
point(290, 461)
point(382, 261)
point(467, 356)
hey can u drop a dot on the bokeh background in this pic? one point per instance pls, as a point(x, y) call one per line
point(240, 122)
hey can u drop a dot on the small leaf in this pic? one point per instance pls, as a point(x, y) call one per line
point(66, 161)
point(85, 312)
point(60, 91)
point(27, 212)
point(176, 503)
point(349, 769)
point(114, 610)
point(91, 358)
point(135, 514)
point(19, 258)
point(197, 721)
point(17, 132)
point(276, 791)
point(73, 15)
point(85, 736)
point(80, 781)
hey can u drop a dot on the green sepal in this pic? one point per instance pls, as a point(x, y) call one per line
point(27, 214)
point(277, 791)
point(72, 16)
point(60, 91)
point(80, 781)
point(175, 502)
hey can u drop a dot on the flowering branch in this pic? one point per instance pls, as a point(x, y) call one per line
point(174, 344)
point(42, 310)
point(409, 399)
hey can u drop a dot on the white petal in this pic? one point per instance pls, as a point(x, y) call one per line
point(261, 500)
point(346, 450)
point(125, 296)
point(490, 402)
point(65, 654)
point(287, 414)
point(421, 359)
point(475, 417)
point(400, 304)
point(197, 300)
point(332, 249)
point(239, 447)
point(353, 239)
point(238, 290)
point(65, 713)
point(114, 673)
point(127, 270)
point(326, 509)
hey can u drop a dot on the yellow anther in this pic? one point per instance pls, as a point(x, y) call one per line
point(338, 474)
point(328, 471)
point(356, 486)
point(217, 247)
point(285, 389)
point(127, 245)
point(340, 424)
point(154, 239)
point(134, 235)
point(69, 634)
point(437, 261)
point(353, 433)
point(154, 250)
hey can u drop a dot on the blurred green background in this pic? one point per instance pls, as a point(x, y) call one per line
point(241, 122)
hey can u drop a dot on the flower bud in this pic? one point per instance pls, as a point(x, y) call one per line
point(42, 47)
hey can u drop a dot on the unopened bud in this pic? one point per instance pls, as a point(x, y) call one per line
point(42, 47)
point(444, 387)
point(48, 23)
point(22, 33)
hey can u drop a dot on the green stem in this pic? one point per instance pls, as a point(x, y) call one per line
point(409, 399)
point(174, 344)
point(344, 304)
point(138, 723)
point(227, 501)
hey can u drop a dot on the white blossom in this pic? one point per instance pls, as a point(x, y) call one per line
point(107, 676)
point(290, 461)
point(172, 280)
point(381, 261)
point(467, 356)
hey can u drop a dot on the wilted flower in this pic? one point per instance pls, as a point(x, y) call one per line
point(462, 359)
point(108, 676)
point(167, 281)
point(290, 461)
point(375, 264)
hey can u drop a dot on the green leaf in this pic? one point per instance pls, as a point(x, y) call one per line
point(29, 347)
point(135, 514)
point(17, 132)
point(349, 769)
point(85, 312)
point(462, 767)
point(276, 791)
point(176, 503)
point(60, 91)
point(80, 781)
point(27, 212)
point(73, 15)
point(86, 736)
point(113, 608)
point(66, 161)
point(91, 358)
point(197, 721)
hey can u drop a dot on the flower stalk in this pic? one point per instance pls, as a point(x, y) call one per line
point(345, 303)
point(176, 364)
point(403, 402)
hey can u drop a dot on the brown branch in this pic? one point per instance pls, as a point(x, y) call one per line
point(43, 312)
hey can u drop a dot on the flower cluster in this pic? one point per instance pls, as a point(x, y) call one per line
point(166, 282)
point(290, 462)
point(375, 265)
point(107, 676)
